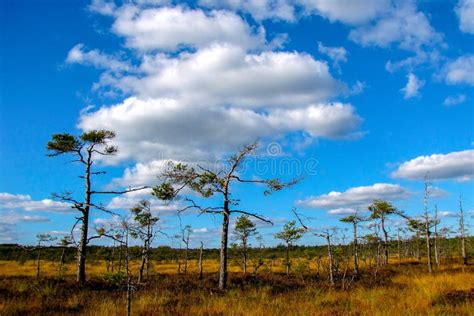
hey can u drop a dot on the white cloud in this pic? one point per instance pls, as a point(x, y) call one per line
point(226, 74)
point(142, 174)
point(413, 86)
point(203, 230)
point(14, 217)
point(460, 71)
point(8, 232)
point(158, 207)
point(206, 82)
point(259, 9)
point(168, 28)
point(163, 129)
point(26, 203)
point(342, 211)
point(447, 214)
point(336, 54)
point(454, 99)
point(465, 12)
point(403, 24)
point(356, 197)
point(78, 55)
point(103, 7)
point(436, 192)
point(347, 11)
point(455, 165)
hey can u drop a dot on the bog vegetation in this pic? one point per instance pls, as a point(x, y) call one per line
point(423, 268)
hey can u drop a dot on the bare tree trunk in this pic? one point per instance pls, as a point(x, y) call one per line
point(82, 248)
point(144, 261)
point(186, 258)
point(38, 262)
point(288, 265)
point(418, 255)
point(428, 247)
point(463, 233)
point(224, 241)
point(331, 277)
point(385, 243)
point(129, 277)
point(398, 247)
point(200, 261)
point(436, 254)
point(244, 263)
point(356, 252)
point(112, 256)
point(427, 228)
point(61, 262)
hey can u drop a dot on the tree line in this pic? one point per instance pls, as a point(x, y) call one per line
point(179, 179)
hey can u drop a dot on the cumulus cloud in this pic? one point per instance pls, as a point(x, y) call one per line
point(465, 12)
point(404, 25)
point(412, 87)
point(347, 11)
point(168, 28)
point(336, 54)
point(204, 82)
point(459, 71)
point(442, 214)
point(13, 217)
point(203, 230)
point(226, 74)
point(79, 55)
point(25, 202)
point(342, 211)
point(455, 165)
point(158, 207)
point(8, 232)
point(166, 129)
point(454, 99)
point(259, 9)
point(342, 202)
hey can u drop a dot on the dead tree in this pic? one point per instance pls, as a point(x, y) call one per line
point(200, 260)
point(427, 221)
point(435, 243)
point(85, 150)
point(327, 234)
point(208, 183)
point(186, 235)
point(399, 254)
point(462, 234)
point(41, 238)
point(64, 243)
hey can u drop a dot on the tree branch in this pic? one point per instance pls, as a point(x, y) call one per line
point(253, 215)
point(121, 192)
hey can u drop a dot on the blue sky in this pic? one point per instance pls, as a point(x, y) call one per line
point(378, 93)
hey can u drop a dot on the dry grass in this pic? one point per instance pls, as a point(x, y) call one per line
point(405, 290)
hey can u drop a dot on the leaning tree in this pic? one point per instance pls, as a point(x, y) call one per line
point(208, 183)
point(85, 149)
